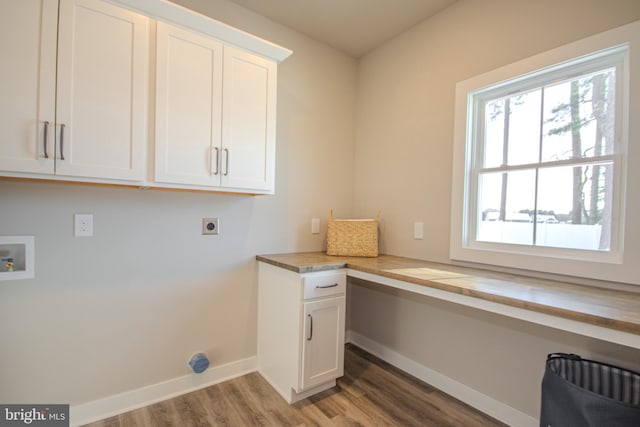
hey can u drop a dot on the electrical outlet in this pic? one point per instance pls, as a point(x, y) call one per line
point(315, 226)
point(210, 226)
point(83, 225)
point(418, 230)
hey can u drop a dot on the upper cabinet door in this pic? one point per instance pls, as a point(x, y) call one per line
point(188, 107)
point(248, 121)
point(102, 91)
point(27, 83)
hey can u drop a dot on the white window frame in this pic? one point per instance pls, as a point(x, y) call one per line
point(613, 57)
point(618, 264)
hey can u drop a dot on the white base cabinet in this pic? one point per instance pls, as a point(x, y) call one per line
point(301, 328)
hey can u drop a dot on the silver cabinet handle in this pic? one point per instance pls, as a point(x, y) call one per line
point(310, 327)
point(226, 153)
point(217, 161)
point(62, 141)
point(326, 286)
point(45, 139)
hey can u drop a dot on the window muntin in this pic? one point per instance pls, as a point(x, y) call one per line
point(546, 160)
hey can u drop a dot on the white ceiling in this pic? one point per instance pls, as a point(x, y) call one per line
point(352, 26)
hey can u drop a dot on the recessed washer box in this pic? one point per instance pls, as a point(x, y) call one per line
point(17, 257)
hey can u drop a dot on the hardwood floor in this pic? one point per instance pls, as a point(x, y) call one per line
point(371, 393)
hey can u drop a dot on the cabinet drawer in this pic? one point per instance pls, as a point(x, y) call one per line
point(322, 285)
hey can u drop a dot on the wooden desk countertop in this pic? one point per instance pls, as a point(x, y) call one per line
point(607, 308)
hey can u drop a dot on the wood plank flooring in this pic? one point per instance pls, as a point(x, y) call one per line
point(371, 393)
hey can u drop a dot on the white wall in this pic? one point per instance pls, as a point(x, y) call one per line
point(128, 307)
point(403, 158)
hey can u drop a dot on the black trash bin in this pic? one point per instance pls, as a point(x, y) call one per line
point(578, 392)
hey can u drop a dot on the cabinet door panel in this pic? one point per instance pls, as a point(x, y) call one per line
point(102, 91)
point(188, 107)
point(323, 343)
point(248, 128)
point(27, 82)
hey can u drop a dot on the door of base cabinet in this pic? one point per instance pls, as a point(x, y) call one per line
point(323, 342)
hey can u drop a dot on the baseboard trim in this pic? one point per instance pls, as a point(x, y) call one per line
point(482, 402)
point(138, 398)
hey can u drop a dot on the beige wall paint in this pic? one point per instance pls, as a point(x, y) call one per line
point(403, 157)
point(406, 92)
point(128, 307)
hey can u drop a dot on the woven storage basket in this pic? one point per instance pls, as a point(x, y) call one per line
point(352, 237)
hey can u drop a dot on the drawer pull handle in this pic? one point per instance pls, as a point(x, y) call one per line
point(326, 286)
point(310, 327)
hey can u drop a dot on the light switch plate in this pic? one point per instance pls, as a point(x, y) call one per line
point(315, 226)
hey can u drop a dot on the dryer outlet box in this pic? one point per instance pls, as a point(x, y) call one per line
point(210, 226)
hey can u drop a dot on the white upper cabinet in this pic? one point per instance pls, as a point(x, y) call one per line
point(102, 91)
point(77, 83)
point(215, 113)
point(188, 107)
point(27, 83)
point(248, 121)
point(91, 122)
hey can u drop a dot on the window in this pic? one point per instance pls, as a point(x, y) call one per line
point(545, 157)
point(540, 160)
